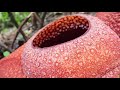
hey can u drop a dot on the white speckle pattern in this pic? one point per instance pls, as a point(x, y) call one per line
point(102, 39)
point(10, 67)
point(82, 43)
point(104, 32)
point(89, 44)
point(80, 59)
point(111, 19)
point(59, 27)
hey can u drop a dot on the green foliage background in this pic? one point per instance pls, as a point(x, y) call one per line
point(6, 24)
point(5, 19)
point(19, 16)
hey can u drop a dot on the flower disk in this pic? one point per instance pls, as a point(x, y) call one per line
point(60, 31)
point(73, 46)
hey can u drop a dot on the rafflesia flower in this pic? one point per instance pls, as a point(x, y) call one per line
point(74, 46)
point(112, 19)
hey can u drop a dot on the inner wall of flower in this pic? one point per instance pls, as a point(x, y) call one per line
point(62, 30)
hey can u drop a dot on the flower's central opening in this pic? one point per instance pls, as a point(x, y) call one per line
point(62, 30)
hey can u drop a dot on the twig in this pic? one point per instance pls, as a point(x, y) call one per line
point(13, 19)
point(37, 18)
point(34, 18)
point(34, 21)
point(20, 27)
point(42, 19)
point(16, 24)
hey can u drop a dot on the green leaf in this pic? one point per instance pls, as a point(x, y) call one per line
point(6, 53)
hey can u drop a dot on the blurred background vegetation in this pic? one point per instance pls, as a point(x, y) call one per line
point(12, 23)
point(7, 27)
point(5, 21)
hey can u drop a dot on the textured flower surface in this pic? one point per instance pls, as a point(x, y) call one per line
point(10, 67)
point(112, 19)
point(74, 46)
